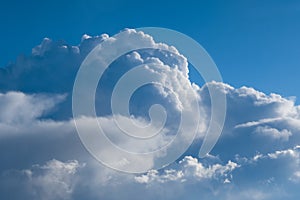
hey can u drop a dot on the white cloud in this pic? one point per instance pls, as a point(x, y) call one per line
point(273, 119)
point(154, 176)
point(196, 169)
point(294, 153)
point(190, 169)
point(19, 108)
point(273, 132)
point(54, 180)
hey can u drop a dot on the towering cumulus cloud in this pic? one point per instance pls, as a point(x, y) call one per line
point(257, 156)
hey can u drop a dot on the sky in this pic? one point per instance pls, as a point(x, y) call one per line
point(255, 45)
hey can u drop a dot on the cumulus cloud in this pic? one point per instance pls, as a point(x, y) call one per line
point(257, 156)
point(258, 122)
point(190, 169)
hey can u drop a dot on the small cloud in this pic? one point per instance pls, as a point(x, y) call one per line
point(283, 134)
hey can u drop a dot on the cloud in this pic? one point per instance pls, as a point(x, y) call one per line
point(54, 180)
point(295, 177)
point(294, 153)
point(256, 122)
point(190, 169)
point(273, 132)
point(19, 108)
point(257, 156)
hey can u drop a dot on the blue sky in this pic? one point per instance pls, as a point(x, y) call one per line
point(254, 43)
point(256, 46)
